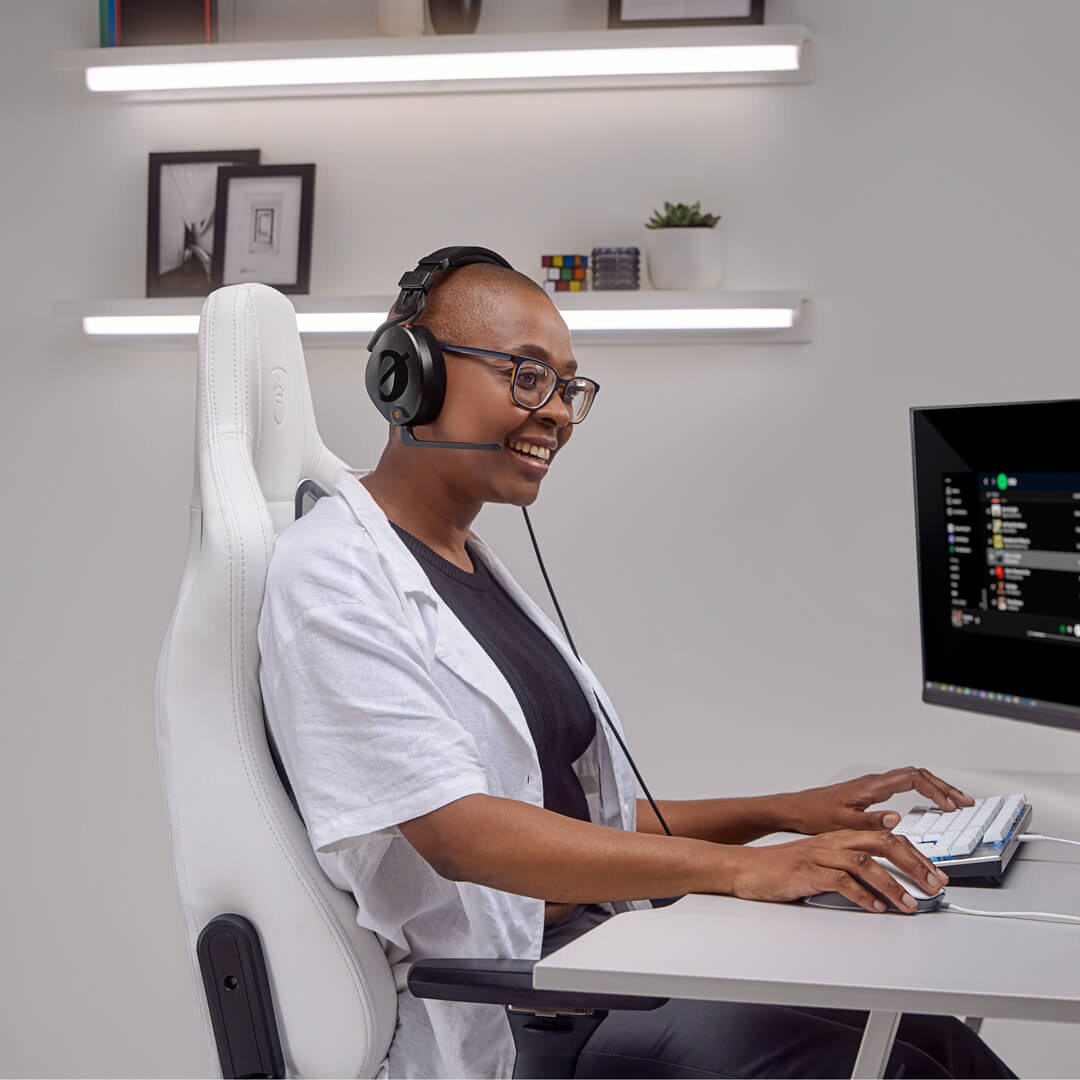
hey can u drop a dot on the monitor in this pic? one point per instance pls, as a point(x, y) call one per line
point(997, 514)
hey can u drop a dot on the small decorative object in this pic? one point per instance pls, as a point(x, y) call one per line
point(684, 248)
point(454, 16)
point(157, 22)
point(616, 267)
point(180, 219)
point(263, 226)
point(565, 273)
point(400, 18)
point(627, 13)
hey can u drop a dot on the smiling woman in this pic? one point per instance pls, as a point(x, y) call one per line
point(463, 771)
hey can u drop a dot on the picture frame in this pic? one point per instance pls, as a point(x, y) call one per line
point(630, 14)
point(181, 213)
point(263, 224)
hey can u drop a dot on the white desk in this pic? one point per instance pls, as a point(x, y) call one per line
point(717, 948)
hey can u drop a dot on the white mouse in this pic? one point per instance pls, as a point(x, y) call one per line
point(925, 901)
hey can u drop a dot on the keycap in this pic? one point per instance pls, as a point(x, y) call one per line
point(1001, 826)
point(986, 812)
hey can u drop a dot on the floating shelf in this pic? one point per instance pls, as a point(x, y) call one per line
point(677, 56)
point(632, 317)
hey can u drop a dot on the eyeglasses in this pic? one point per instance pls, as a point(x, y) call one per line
point(532, 382)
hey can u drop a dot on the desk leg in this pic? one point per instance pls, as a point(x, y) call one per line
point(876, 1044)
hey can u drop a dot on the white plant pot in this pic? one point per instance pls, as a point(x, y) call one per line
point(685, 257)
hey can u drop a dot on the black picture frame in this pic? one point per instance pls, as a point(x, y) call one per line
point(754, 16)
point(270, 238)
point(186, 278)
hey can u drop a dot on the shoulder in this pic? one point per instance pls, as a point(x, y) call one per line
point(325, 559)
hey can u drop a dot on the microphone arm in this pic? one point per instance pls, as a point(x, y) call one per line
point(409, 439)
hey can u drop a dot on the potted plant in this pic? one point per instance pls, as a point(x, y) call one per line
point(683, 248)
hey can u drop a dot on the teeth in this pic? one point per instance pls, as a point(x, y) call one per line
point(541, 452)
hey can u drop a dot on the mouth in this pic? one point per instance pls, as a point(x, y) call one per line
point(530, 465)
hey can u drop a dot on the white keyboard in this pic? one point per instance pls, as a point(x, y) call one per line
point(984, 832)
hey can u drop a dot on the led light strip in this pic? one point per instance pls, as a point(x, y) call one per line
point(444, 67)
point(682, 319)
point(361, 322)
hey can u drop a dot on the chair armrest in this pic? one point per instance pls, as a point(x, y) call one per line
point(507, 982)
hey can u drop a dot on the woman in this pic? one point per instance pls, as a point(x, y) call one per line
point(453, 773)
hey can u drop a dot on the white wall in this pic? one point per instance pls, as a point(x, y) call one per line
point(923, 188)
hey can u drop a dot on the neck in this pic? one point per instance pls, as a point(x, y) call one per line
point(421, 501)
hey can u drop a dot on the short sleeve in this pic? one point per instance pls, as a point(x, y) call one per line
point(365, 735)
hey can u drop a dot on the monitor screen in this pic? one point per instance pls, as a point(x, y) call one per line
point(997, 512)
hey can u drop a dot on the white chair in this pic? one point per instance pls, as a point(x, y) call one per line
point(288, 984)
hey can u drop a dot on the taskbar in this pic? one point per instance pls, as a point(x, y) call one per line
point(1015, 706)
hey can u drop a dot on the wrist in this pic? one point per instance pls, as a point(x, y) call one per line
point(784, 812)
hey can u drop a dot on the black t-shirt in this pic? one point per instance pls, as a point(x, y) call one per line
point(555, 708)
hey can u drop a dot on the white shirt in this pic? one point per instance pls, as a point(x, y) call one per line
point(384, 707)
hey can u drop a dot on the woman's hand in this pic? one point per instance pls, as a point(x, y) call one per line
point(844, 805)
point(834, 863)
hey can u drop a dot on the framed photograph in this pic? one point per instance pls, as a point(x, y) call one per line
point(635, 13)
point(180, 219)
point(263, 226)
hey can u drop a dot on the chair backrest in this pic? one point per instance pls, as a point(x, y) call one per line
point(238, 844)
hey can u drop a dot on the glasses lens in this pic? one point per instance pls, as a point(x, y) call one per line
point(533, 384)
point(578, 395)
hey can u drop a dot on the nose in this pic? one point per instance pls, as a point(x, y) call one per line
point(554, 411)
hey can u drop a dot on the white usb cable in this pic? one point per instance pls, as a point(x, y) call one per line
point(1038, 916)
point(1039, 836)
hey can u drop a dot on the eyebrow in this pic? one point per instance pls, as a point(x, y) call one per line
point(538, 352)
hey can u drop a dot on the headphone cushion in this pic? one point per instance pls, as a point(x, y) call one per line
point(406, 375)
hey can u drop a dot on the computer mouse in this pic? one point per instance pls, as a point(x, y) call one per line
point(924, 901)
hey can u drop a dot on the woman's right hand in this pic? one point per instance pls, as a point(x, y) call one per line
point(833, 862)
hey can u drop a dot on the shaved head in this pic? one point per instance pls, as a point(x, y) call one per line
point(465, 302)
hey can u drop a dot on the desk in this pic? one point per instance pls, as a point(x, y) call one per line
point(717, 948)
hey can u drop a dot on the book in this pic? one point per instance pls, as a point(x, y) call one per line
point(165, 22)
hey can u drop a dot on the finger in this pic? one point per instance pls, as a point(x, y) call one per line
point(954, 793)
point(862, 866)
point(826, 878)
point(876, 819)
point(925, 783)
point(900, 851)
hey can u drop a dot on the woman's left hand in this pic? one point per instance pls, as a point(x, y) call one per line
point(844, 805)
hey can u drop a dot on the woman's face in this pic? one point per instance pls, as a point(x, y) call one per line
point(478, 406)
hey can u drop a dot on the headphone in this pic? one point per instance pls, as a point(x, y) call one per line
point(406, 379)
point(406, 372)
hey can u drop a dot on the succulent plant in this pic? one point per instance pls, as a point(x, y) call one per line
point(680, 216)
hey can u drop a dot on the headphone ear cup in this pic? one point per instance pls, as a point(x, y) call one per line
point(406, 375)
point(432, 374)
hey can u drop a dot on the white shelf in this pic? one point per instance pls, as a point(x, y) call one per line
point(352, 318)
point(677, 56)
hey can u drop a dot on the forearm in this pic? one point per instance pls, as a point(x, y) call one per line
point(524, 849)
point(721, 821)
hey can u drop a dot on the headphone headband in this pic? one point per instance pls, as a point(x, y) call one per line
point(416, 284)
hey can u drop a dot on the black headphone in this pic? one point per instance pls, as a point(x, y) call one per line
point(406, 372)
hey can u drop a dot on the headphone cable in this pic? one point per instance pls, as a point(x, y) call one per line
point(566, 630)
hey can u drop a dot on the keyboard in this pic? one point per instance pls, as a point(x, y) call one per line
point(974, 842)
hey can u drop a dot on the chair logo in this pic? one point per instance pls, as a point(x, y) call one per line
point(278, 386)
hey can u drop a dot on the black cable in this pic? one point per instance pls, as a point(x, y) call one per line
point(566, 630)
